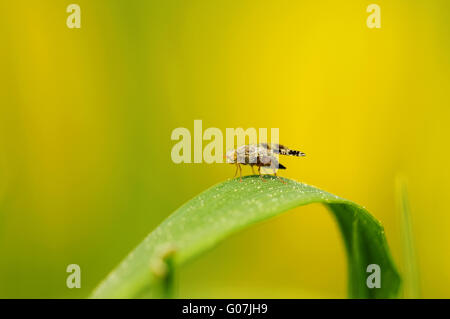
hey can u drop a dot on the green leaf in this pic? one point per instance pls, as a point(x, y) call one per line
point(209, 218)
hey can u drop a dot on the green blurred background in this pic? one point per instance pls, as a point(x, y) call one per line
point(86, 117)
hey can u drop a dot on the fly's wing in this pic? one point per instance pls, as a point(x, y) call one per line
point(252, 154)
point(267, 157)
point(275, 164)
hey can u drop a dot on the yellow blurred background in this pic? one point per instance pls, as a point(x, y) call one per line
point(86, 117)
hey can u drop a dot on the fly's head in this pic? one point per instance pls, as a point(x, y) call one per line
point(231, 157)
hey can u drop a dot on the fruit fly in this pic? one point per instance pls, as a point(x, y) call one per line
point(260, 155)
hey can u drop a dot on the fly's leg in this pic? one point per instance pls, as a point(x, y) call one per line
point(253, 170)
point(240, 173)
point(278, 177)
point(237, 167)
point(260, 176)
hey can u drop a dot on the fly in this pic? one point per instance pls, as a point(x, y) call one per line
point(260, 155)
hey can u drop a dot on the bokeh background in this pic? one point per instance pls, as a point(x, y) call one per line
point(86, 117)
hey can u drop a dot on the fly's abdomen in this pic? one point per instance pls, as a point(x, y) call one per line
point(286, 151)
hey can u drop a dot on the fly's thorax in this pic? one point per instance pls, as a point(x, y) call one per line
point(252, 154)
point(265, 156)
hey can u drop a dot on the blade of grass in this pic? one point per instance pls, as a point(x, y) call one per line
point(209, 218)
point(411, 285)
